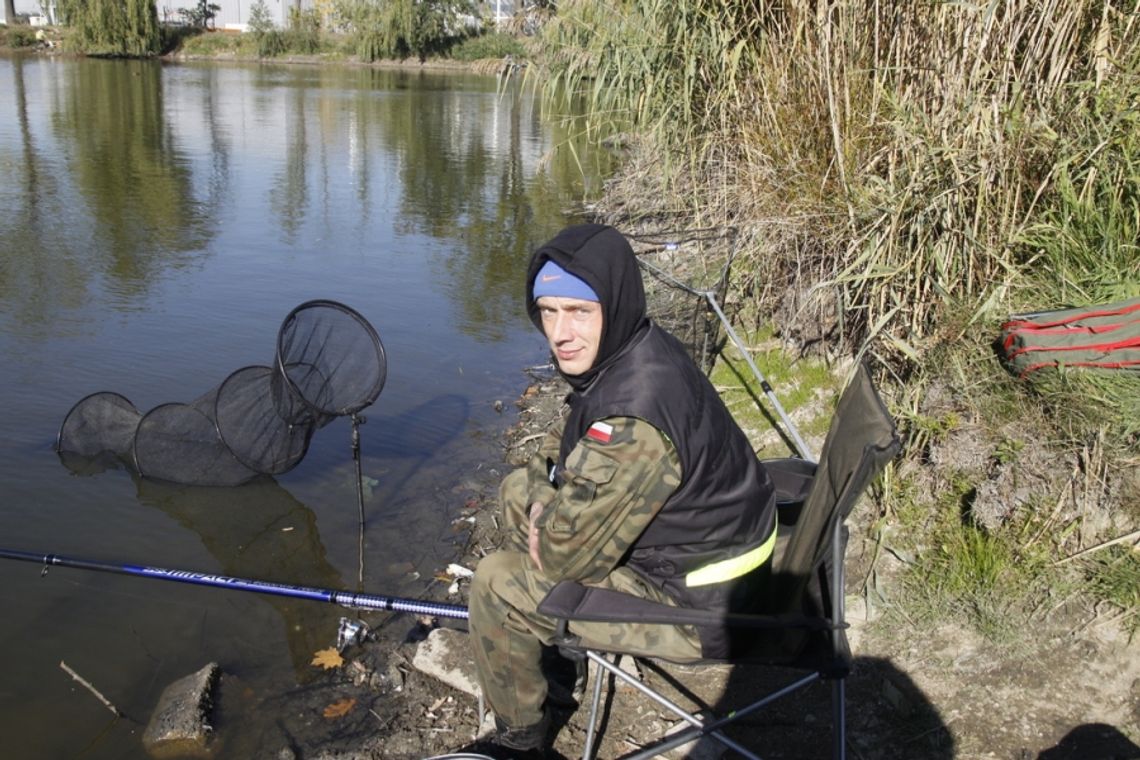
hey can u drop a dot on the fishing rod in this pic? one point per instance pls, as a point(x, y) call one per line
point(348, 599)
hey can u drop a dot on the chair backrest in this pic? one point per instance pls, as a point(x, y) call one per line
point(861, 440)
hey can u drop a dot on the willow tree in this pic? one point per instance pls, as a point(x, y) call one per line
point(402, 28)
point(127, 28)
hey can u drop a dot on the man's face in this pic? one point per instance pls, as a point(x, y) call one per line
point(573, 327)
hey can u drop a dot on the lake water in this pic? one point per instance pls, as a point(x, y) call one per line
point(157, 224)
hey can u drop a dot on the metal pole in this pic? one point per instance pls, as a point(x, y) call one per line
point(709, 296)
point(357, 421)
point(801, 447)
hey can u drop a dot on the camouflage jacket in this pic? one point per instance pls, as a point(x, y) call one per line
point(611, 491)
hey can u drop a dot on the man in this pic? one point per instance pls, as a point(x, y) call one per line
point(649, 488)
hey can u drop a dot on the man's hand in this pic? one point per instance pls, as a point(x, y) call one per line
point(532, 534)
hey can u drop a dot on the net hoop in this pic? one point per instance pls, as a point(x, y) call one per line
point(252, 396)
point(308, 374)
point(65, 434)
point(193, 437)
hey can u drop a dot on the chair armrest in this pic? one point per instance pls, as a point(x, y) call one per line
point(571, 600)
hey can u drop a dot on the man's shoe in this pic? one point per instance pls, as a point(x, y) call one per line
point(491, 750)
point(530, 737)
point(507, 743)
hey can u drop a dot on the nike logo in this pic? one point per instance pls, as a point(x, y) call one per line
point(551, 277)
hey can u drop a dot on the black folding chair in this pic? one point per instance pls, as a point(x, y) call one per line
point(802, 626)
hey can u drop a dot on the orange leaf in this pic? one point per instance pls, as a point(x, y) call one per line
point(339, 709)
point(327, 658)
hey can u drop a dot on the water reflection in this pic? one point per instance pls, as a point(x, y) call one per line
point(159, 220)
point(444, 157)
point(28, 263)
point(130, 170)
point(488, 281)
point(30, 180)
point(411, 440)
point(289, 197)
point(420, 433)
point(260, 531)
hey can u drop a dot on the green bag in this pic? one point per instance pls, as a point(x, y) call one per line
point(1101, 336)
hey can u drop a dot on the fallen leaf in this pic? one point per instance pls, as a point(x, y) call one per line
point(327, 658)
point(340, 708)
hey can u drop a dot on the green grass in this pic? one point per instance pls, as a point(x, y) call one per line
point(962, 570)
point(1114, 576)
point(1081, 401)
point(17, 37)
point(491, 45)
point(210, 44)
point(806, 387)
point(277, 43)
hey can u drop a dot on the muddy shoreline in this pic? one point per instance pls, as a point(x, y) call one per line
point(950, 694)
point(376, 704)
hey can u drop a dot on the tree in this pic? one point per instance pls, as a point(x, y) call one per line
point(127, 28)
point(260, 19)
point(400, 28)
point(265, 32)
point(10, 12)
point(201, 15)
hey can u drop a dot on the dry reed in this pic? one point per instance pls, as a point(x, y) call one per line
point(902, 159)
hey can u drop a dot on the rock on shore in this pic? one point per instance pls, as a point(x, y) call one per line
point(180, 724)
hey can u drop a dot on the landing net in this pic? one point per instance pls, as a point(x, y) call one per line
point(329, 363)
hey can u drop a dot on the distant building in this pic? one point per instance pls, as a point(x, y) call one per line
point(30, 9)
point(234, 14)
point(498, 11)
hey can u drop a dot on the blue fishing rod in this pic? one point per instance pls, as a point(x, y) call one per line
point(347, 599)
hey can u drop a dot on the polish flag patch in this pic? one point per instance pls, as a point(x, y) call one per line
point(600, 432)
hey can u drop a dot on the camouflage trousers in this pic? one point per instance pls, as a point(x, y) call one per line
point(507, 633)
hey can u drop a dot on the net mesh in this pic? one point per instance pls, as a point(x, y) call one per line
point(327, 356)
point(258, 421)
point(680, 269)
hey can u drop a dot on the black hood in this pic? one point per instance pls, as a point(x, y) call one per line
point(602, 257)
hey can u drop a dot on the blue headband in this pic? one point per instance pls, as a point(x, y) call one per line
point(553, 280)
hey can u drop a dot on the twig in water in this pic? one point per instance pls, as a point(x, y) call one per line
point(87, 684)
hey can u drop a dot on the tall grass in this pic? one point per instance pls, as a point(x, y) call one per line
point(904, 174)
point(916, 153)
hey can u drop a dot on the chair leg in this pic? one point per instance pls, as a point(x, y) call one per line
point(699, 727)
point(595, 700)
point(839, 718)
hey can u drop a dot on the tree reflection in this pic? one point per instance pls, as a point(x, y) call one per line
point(289, 198)
point(33, 200)
point(123, 158)
point(474, 170)
point(523, 207)
point(260, 531)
